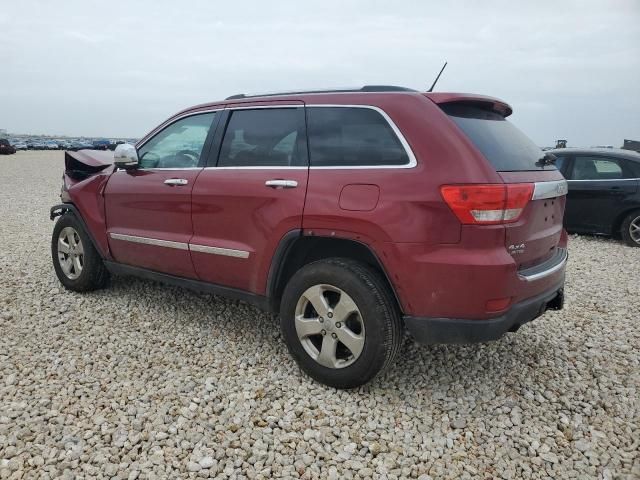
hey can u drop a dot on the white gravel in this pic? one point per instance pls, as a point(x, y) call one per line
point(148, 381)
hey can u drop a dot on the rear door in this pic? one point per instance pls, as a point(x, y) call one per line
point(251, 195)
point(535, 236)
point(598, 188)
point(148, 210)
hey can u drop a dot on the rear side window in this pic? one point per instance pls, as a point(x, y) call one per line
point(269, 137)
point(506, 147)
point(596, 168)
point(350, 136)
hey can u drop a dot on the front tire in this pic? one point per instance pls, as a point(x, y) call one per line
point(630, 229)
point(77, 263)
point(340, 322)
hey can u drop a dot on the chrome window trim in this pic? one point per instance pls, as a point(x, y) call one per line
point(227, 252)
point(293, 167)
point(149, 241)
point(556, 188)
point(161, 169)
point(403, 141)
point(606, 180)
point(550, 271)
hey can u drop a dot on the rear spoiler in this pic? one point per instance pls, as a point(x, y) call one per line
point(86, 163)
point(482, 101)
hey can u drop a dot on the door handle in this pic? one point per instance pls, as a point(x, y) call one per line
point(176, 181)
point(281, 183)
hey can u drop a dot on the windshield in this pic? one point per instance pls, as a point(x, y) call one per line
point(506, 147)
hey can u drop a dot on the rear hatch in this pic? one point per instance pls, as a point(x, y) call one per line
point(533, 223)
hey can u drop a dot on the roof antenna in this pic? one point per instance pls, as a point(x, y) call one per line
point(437, 78)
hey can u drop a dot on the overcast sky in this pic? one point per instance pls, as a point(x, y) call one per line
point(570, 69)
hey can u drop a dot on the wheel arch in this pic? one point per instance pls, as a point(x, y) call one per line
point(296, 250)
point(616, 226)
point(70, 209)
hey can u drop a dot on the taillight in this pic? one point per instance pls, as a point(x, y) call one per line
point(487, 204)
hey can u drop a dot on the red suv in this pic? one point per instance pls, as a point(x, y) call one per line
point(353, 214)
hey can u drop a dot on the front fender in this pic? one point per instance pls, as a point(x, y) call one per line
point(70, 209)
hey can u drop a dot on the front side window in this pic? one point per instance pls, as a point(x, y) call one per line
point(596, 168)
point(179, 145)
point(269, 137)
point(350, 136)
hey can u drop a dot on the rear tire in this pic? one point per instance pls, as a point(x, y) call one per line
point(630, 229)
point(340, 322)
point(76, 261)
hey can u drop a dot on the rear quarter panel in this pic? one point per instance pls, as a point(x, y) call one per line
point(410, 213)
point(410, 207)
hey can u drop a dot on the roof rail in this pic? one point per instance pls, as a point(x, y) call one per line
point(366, 88)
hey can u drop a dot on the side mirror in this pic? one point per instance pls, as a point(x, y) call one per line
point(125, 156)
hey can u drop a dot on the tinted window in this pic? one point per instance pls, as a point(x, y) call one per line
point(506, 147)
point(263, 137)
point(343, 136)
point(177, 146)
point(596, 168)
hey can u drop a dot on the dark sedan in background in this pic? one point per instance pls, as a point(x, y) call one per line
point(604, 191)
point(6, 148)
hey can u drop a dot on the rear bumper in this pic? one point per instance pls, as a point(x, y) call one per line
point(454, 330)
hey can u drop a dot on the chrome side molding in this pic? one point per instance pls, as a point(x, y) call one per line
point(226, 252)
point(150, 241)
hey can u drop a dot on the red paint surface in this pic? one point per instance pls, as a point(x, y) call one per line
point(139, 203)
point(438, 267)
point(359, 197)
point(232, 208)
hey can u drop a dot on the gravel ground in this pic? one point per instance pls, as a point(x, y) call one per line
point(147, 381)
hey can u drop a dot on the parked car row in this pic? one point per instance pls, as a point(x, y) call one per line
point(66, 144)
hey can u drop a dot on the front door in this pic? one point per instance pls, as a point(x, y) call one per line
point(251, 196)
point(148, 209)
point(598, 186)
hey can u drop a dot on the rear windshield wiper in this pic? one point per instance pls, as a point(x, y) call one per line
point(547, 159)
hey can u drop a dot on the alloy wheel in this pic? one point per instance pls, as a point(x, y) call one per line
point(634, 229)
point(329, 326)
point(70, 252)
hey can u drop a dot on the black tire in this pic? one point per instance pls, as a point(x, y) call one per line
point(93, 274)
point(633, 219)
point(378, 313)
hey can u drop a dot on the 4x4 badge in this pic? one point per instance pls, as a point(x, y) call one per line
point(516, 249)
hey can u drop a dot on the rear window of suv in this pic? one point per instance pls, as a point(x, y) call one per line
point(352, 136)
point(506, 147)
